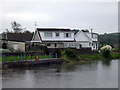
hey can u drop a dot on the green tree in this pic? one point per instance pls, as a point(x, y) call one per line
point(26, 31)
point(4, 45)
point(16, 27)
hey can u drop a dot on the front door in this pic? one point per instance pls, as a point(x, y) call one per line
point(15, 46)
point(55, 45)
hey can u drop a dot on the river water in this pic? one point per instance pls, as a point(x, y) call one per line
point(97, 74)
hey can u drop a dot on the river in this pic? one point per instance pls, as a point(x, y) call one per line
point(97, 74)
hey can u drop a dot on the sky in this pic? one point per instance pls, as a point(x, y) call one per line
point(99, 15)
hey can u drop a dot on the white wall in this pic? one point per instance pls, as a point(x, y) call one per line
point(84, 44)
point(95, 36)
point(54, 38)
point(81, 37)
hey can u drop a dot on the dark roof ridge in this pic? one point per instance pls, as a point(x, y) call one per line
point(53, 29)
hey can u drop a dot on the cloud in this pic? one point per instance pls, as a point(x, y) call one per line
point(29, 16)
point(101, 16)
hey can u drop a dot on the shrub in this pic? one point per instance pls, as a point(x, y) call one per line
point(45, 49)
point(70, 54)
point(106, 54)
point(106, 51)
point(4, 45)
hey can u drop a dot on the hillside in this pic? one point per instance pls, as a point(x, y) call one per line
point(111, 39)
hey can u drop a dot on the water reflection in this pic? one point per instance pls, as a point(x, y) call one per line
point(107, 62)
point(89, 75)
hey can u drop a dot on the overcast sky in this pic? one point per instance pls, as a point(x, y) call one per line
point(100, 15)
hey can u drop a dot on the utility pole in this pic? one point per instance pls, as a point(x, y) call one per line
point(35, 25)
point(33, 42)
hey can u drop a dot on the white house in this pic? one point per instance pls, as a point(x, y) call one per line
point(55, 38)
point(87, 39)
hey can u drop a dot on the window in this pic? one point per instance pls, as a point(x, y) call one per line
point(57, 34)
point(48, 34)
point(48, 44)
point(67, 35)
point(92, 44)
point(89, 43)
point(55, 45)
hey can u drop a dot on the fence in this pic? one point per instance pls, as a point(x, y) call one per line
point(22, 57)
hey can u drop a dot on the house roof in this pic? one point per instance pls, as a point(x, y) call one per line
point(52, 29)
point(19, 37)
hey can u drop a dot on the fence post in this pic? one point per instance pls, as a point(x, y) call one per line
point(35, 57)
point(18, 57)
point(21, 57)
point(43, 56)
point(55, 55)
point(12, 58)
point(49, 55)
point(29, 57)
point(3, 58)
point(24, 57)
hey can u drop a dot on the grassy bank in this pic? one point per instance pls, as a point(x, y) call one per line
point(16, 58)
point(99, 56)
point(78, 59)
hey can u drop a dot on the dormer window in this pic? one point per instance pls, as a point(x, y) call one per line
point(67, 35)
point(57, 34)
point(48, 34)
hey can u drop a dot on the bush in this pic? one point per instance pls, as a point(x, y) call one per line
point(4, 45)
point(70, 54)
point(45, 49)
point(106, 54)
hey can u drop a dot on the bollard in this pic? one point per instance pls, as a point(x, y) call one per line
point(3, 58)
point(21, 57)
point(49, 55)
point(55, 55)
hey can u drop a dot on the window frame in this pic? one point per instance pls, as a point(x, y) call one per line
point(47, 34)
point(58, 34)
point(67, 35)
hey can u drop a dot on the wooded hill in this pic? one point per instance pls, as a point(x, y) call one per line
point(111, 39)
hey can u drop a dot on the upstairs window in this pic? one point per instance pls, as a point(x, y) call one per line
point(48, 34)
point(67, 35)
point(57, 34)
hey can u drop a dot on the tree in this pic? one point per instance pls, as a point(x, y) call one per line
point(26, 31)
point(16, 27)
point(4, 45)
point(7, 31)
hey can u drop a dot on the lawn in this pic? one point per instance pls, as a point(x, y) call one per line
point(99, 56)
point(18, 58)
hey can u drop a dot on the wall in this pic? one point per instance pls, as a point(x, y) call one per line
point(60, 38)
point(21, 45)
point(59, 45)
point(36, 38)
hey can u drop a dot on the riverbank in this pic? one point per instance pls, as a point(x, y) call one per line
point(89, 58)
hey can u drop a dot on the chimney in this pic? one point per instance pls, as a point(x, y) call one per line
point(91, 33)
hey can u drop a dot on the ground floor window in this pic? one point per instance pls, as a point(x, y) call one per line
point(55, 45)
point(48, 44)
point(80, 46)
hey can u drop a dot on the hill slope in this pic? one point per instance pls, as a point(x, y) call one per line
point(111, 39)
